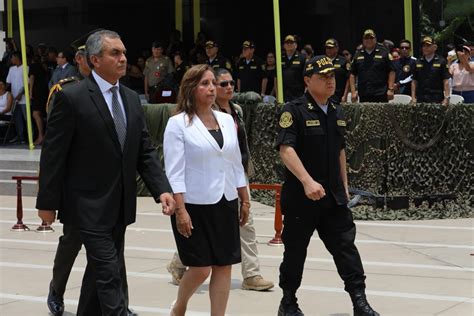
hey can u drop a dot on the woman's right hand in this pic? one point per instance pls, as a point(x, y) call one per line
point(183, 222)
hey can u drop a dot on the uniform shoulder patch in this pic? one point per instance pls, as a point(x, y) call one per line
point(286, 119)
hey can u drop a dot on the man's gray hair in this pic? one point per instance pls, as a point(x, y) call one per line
point(95, 44)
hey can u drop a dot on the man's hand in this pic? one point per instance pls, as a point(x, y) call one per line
point(47, 216)
point(168, 203)
point(354, 96)
point(390, 94)
point(313, 190)
point(244, 213)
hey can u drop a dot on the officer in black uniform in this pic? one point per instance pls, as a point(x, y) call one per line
point(373, 67)
point(315, 193)
point(216, 60)
point(404, 68)
point(342, 70)
point(430, 80)
point(70, 242)
point(250, 70)
point(292, 67)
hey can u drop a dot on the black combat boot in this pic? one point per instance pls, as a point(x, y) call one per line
point(361, 306)
point(289, 305)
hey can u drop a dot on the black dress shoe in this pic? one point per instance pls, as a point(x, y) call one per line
point(361, 306)
point(131, 313)
point(55, 302)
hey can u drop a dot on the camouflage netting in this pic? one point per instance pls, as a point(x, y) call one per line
point(392, 150)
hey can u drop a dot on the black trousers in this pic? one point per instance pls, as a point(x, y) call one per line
point(374, 98)
point(336, 229)
point(102, 291)
point(69, 245)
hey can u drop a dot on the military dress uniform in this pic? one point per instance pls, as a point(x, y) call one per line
point(404, 69)
point(429, 78)
point(292, 69)
point(155, 71)
point(372, 73)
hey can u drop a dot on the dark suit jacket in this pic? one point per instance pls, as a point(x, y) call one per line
point(59, 73)
point(83, 172)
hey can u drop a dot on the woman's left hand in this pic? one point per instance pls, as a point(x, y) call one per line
point(244, 214)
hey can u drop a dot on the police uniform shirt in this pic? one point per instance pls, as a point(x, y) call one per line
point(156, 70)
point(317, 139)
point(220, 62)
point(180, 71)
point(342, 73)
point(404, 68)
point(372, 71)
point(293, 83)
point(250, 74)
point(429, 76)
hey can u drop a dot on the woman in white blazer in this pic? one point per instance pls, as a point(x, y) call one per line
point(204, 167)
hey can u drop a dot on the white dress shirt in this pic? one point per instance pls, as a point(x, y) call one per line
point(104, 87)
point(195, 164)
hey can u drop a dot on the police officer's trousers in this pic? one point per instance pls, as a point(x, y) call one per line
point(336, 229)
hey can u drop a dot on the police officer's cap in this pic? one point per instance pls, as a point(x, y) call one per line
point(79, 44)
point(330, 43)
point(248, 44)
point(369, 33)
point(318, 65)
point(290, 39)
point(428, 40)
point(211, 44)
point(156, 44)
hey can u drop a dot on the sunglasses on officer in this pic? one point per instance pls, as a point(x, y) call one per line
point(225, 83)
point(405, 47)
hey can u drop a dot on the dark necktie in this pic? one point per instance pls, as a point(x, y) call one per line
point(119, 118)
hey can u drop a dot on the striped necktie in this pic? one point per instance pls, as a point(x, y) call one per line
point(119, 118)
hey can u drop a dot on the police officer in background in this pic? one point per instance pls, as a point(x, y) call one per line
point(373, 68)
point(404, 68)
point(250, 69)
point(157, 67)
point(430, 80)
point(215, 60)
point(315, 193)
point(342, 70)
point(70, 242)
point(292, 67)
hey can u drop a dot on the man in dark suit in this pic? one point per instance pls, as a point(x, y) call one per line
point(95, 143)
point(64, 69)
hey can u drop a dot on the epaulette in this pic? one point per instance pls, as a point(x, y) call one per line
point(58, 87)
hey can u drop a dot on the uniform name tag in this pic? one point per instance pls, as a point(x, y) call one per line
point(378, 56)
point(241, 67)
point(419, 66)
point(341, 123)
point(313, 123)
point(436, 65)
point(337, 66)
point(296, 62)
point(360, 58)
point(253, 67)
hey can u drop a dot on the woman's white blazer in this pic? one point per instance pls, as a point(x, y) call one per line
point(195, 164)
